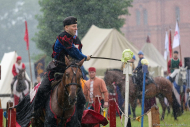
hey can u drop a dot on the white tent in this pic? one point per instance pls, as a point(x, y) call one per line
point(6, 75)
point(107, 43)
point(149, 50)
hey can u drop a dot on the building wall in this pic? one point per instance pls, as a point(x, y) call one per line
point(161, 17)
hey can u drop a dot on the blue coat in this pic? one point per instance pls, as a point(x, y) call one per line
point(139, 67)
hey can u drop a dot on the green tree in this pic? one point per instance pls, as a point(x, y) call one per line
point(102, 13)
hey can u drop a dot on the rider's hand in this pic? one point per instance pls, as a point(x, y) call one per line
point(105, 104)
point(88, 58)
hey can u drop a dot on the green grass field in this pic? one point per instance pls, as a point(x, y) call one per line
point(183, 121)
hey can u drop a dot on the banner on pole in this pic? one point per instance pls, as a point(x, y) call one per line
point(39, 67)
point(166, 46)
point(176, 41)
point(26, 38)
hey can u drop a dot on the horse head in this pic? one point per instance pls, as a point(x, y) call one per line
point(71, 79)
point(21, 85)
point(21, 74)
point(114, 77)
point(183, 74)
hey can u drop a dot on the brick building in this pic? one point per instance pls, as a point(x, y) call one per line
point(153, 18)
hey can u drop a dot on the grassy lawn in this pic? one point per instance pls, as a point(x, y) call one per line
point(183, 121)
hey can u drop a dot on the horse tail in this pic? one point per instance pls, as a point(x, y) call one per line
point(176, 107)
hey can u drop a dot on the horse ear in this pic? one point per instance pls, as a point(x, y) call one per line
point(66, 61)
point(106, 71)
point(186, 67)
point(81, 62)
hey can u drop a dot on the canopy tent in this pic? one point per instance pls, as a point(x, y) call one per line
point(149, 50)
point(6, 75)
point(108, 43)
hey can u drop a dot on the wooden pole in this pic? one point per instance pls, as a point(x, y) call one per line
point(180, 45)
point(167, 67)
point(112, 108)
point(0, 104)
point(12, 117)
point(96, 107)
point(126, 72)
point(1, 115)
point(30, 66)
point(145, 70)
point(180, 53)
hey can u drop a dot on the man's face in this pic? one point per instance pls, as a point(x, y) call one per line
point(38, 79)
point(175, 55)
point(92, 74)
point(140, 56)
point(19, 61)
point(71, 29)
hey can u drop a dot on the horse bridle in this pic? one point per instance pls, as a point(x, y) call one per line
point(72, 83)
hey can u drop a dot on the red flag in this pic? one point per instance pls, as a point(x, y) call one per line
point(26, 36)
point(170, 44)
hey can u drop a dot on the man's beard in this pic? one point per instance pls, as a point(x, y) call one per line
point(92, 77)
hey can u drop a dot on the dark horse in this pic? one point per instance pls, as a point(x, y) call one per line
point(64, 95)
point(161, 88)
point(21, 87)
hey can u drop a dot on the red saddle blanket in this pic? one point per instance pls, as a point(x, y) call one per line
point(93, 118)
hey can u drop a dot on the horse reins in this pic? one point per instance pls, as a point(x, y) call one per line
point(65, 89)
point(65, 86)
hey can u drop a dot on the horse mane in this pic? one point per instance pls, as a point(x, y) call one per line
point(73, 62)
point(117, 70)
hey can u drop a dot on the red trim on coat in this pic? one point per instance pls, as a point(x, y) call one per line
point(49, 77)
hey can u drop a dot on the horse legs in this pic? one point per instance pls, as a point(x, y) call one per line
point(134, 105)
point(182, 100)
point(161, 99)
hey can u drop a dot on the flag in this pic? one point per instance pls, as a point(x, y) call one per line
point(166, 47)
point(170, 44)
point(39, 67)
point(26, 36)
point(176, 41)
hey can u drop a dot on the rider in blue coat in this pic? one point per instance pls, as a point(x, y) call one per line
point(69, 45)
point(138, 69)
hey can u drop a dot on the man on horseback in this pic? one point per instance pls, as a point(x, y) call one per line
point(139, 77)
point(173, 64)
point(65, 45)
point(139, 72)
point(15, 70)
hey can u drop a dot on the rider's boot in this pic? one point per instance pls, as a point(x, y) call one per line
point(171, 79)
point(133, 79)
point(149, 80)
point(42, 93)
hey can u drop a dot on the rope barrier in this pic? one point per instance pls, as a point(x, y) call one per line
point(137, 118)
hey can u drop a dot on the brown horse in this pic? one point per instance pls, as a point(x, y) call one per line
point(64, 95)
point(160, 88)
